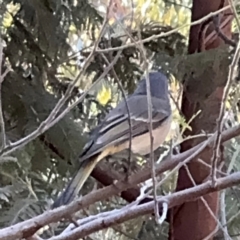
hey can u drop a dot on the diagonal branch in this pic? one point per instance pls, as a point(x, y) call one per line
point(2, 77)
point(165, 34)
point(29, 227)
point(54, 116)
point(220, 120)
point(172, 200)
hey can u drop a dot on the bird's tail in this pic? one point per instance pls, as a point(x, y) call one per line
point(76, 183)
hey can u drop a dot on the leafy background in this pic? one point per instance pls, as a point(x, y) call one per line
point(47, 43)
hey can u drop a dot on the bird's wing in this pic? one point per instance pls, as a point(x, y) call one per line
point(115, 127)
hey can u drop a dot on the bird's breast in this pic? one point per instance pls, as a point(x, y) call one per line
point(142, 144)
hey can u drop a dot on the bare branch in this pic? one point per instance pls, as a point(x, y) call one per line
point(164, 213)
point(173, 200)
point(223, 215)
point(149, 100)
point(216, 22)
point(2, 77)
point(124, 97)
point(52, 119)
point(216, 148)
point(29, 227)
point(199, 21)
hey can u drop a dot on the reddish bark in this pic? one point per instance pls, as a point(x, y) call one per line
point(192, 220)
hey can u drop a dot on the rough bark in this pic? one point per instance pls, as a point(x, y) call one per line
point(192, 220)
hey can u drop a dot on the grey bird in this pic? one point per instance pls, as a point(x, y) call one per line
point(113, 133)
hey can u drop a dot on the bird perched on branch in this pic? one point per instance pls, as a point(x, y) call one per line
point(112, 135)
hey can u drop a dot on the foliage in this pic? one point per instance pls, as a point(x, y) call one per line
point(46, 44)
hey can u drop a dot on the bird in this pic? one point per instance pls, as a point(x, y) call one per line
point(112, 135)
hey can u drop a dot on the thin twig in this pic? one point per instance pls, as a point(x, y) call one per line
point(234, 10)
point(2, 77)
point(195, 151)
point(220, 122)
point(216, 22)
point(2, 123)
point(233, 217)
point(52, 119)
point(128, 112)
point(123, 92)
point(223, 215)
point(150, 117)
point(175, 169)
point(1, 57)
point(209, 166)
point(71, 86)
point(153, 37)
point(214, 34)
point(200, 135)
point(189, 121)
point(164, 213)
point(82, 96)
point(44, 127)
point(149, 101)
point(130, 124)
point(176, 103)
point(211, 15)
point(207, 206)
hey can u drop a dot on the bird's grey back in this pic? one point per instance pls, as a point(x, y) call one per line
point(158, 85)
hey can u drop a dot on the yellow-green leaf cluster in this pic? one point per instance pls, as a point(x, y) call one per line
point(167, 14)
point(104, 95)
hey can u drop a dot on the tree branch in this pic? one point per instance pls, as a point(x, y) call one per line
point(173, 200)
point(220, 120)
point(29, 227)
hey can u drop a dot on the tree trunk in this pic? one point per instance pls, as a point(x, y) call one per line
point(193, 220)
